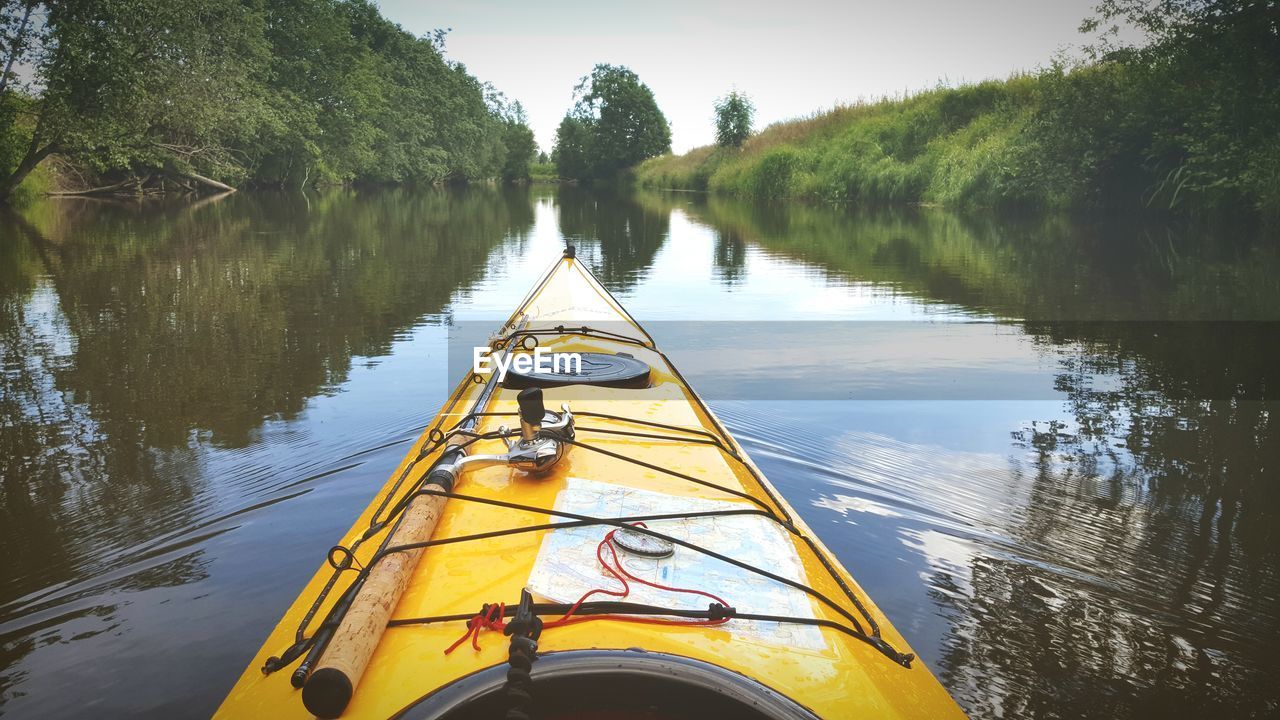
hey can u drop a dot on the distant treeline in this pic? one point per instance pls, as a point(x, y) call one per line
point(156, 93)
point(1189, 120)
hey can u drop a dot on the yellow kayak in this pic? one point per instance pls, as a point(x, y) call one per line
point(577, 536)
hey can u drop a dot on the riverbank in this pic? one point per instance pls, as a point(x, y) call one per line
point(314, 94)
point(1113, 134)
point(62, 178)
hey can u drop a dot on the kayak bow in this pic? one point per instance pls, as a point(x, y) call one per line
point(620, 557)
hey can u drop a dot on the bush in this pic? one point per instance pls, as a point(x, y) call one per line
point(542, 172)
point(771, 176)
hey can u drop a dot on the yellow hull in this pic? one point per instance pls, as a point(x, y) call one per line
point(831, 673)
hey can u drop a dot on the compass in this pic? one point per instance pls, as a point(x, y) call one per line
point(637, 543)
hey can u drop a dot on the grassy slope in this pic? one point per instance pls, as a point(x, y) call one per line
point(1057, 139)
point(951, 146)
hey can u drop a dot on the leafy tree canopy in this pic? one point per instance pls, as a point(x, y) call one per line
point(1201, 92)
point(614, 124)
point(289, 92)
point(734, 113)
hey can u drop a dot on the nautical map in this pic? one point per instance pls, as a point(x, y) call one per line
point(567, 566)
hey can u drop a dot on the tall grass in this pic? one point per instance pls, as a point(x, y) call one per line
point(944, 145)
point(1066, 137)
point(37, 184)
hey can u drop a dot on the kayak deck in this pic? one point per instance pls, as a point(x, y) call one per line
point(644, 451)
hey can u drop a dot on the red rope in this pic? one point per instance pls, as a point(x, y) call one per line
point(491, 616)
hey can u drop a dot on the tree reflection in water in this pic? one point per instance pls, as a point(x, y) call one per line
point(1140, 576)
point(1163, 491)
point(615, 234)
point(134, 335)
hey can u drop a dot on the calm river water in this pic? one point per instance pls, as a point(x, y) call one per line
point(1048, 448)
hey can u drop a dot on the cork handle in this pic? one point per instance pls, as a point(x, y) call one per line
point(330, 687)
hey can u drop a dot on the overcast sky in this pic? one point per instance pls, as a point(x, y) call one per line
point(791, 56)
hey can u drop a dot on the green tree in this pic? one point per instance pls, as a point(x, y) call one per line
point(614, 124)
point(325, 90)
point(138, 83)
point(356, 98)
point(15, 27)
point(280, 93)
point(734, 113)
point(1203, 81)
point(520, 147)
point(518, 143)
point(575, 148)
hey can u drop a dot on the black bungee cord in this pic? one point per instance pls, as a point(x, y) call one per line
point(436, 440)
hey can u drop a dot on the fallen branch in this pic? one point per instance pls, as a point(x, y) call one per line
point(209, 182)
point(103, 190)
point(152, 184)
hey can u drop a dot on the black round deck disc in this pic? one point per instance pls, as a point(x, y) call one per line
point(619, 370)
